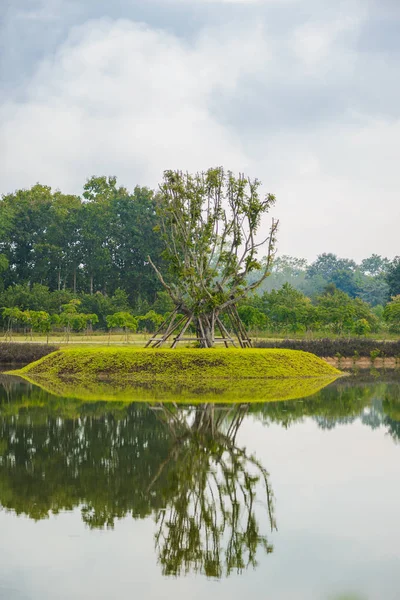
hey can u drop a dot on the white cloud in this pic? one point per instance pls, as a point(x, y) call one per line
point(318, 44)
point(337, 189)
point(120, 97)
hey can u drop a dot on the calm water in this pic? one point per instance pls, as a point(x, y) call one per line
point(286, 500)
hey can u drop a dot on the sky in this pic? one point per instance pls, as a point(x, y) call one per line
point(302, 94)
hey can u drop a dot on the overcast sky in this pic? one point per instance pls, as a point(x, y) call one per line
point(303, 94)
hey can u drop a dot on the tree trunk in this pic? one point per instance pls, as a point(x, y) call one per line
point(206, 330)
point(74, 284)
point(91, 285)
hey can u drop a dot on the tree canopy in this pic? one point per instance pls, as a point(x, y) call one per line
point(209, 224)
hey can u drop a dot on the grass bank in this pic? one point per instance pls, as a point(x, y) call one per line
point(146, 365)
point(181, 375)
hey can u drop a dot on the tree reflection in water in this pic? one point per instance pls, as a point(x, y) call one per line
point(209, 523)
point(180, 464)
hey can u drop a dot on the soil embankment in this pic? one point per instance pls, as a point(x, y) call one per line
point(22, 354)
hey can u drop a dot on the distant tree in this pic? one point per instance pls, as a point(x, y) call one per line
point(287, 309)
point(117, 235)
point(252, 317)
point(71, 319)
point(374, 265)
point(328, 264)
point(338, 312)
point(13, 316)
point(374, 289)
point(40, 321)
point(335, 311)
point(393, 277)
point(285, 269)
point(3, 267)
point(392, 314)
point(150, 322)
point(347, 281)
point(122, 320)
point(340, 271)
point(361, 327)
point(3, 263)
point(103, 305)
point(163, 303)
point(90, 319)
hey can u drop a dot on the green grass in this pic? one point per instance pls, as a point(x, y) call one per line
point(184, 375)
point(181, 364)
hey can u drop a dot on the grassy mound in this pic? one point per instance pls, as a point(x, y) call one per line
point(140, 365)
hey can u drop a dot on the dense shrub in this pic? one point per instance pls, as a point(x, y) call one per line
point(23, 353)
point(346, 347)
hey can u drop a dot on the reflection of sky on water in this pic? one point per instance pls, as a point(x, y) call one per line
point(337, 497)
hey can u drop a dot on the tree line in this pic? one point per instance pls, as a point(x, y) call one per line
point(81, 262)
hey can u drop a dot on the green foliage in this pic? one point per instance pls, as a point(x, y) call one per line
point(391, 314)
point(13, 316)
point(163, 303)
point(208, 223)
point(374, 354)
point(56, 247)
point(99, 243)
point(287, 309)
point(39, 320)
point(252, 317)
point(150, 321)
point(73, 320)
point(103, 305)
point(340, 313)
point(122, 320)
point(393, 277)
point(4, 264)
point(35, 297)
point(361, 327)
point(366, 280)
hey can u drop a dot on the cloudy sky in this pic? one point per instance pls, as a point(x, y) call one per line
point(303, 94)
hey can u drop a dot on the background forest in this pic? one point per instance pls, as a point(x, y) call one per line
point(81, 262)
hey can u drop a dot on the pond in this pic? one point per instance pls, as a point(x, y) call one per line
point(282, 500)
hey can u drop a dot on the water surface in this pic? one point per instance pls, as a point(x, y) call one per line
point(281, 500)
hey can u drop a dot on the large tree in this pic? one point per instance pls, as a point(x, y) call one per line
point(210, 224)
